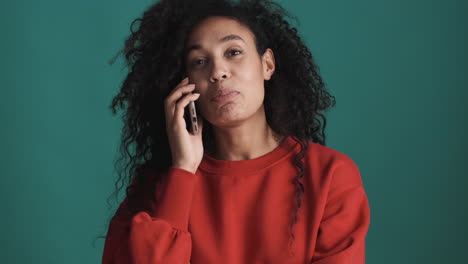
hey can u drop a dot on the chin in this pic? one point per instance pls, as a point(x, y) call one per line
point(227, 121)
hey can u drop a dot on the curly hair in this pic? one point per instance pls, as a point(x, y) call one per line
point(154, 54)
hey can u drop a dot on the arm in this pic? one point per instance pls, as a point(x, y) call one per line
point(162, 238)
point(346, 219)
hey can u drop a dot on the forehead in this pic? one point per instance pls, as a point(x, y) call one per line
point(218, 30)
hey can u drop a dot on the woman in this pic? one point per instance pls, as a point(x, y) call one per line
point(257, 183)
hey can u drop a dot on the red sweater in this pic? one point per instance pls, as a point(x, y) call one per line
point(239, 212)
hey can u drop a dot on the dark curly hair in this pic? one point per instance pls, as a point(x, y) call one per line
point(154, 54)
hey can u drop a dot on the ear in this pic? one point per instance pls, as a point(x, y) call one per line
point(268, 64)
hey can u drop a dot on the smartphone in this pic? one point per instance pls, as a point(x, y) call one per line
point(190, 116)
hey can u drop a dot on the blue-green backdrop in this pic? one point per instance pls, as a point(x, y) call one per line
point(398, 70)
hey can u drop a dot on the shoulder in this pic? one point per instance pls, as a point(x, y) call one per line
point(327, 155)
point(330, 164)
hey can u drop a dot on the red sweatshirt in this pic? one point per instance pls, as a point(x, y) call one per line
point(239, 212)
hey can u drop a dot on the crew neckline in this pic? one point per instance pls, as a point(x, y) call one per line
point(212, 165)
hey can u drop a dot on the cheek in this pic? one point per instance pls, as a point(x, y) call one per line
point(200, 86)
point(193, 78)
point(252, 74)
point(203, 105)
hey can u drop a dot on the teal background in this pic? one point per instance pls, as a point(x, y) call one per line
point(398, 70)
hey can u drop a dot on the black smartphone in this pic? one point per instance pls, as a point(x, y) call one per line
point(190, 116)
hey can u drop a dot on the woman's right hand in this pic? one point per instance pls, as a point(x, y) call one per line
point(186, 148)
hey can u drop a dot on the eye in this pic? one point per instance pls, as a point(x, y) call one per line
point(231, 52)
point(234, 51)
point(197, 62)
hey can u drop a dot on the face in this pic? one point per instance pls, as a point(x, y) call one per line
point(222, 58)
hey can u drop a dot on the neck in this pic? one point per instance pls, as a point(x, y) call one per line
point(248, 141)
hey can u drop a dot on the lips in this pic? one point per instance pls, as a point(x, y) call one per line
point(224, 94)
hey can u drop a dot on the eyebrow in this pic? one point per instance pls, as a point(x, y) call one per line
point(221, 40)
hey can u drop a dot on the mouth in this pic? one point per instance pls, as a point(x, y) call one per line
point(224, 96)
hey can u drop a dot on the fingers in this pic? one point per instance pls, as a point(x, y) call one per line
point(169, 103)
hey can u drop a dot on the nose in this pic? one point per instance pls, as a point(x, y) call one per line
point(219, 71)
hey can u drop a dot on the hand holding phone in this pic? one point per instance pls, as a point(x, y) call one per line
point(185, 141)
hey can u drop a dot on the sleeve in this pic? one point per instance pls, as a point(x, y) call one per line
point(346, 218)
point(159, 238)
